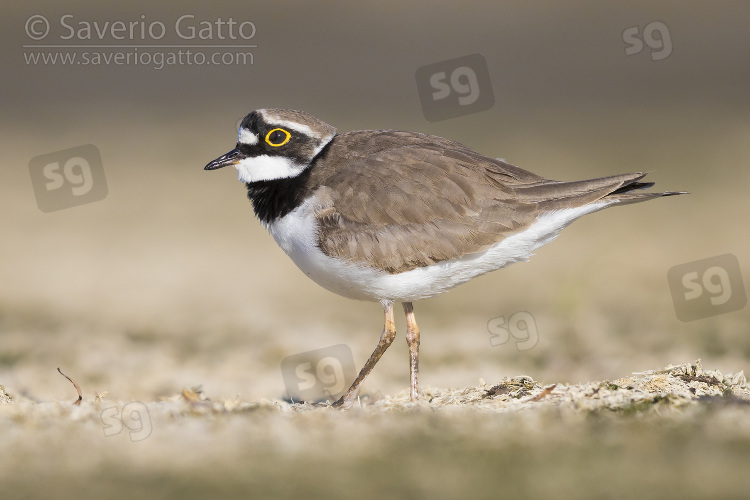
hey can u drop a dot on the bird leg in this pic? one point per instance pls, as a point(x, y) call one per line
point(386, 339)
point(412, 339)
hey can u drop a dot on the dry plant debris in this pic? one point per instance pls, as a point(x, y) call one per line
point(78, 388)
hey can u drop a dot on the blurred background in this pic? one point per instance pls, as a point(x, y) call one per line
point(169, 281)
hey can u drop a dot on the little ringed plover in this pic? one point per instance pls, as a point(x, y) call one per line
point(391, 216)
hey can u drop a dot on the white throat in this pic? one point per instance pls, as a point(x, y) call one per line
point(267, 168)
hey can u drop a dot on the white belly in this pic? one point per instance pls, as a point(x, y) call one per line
point(296, 235)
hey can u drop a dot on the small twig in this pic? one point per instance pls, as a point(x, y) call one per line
point(78, 388)
point(546, 392)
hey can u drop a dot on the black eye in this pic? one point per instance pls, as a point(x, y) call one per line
point(278, 137)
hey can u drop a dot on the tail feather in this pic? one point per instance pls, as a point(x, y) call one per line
point(555, 195)
point(633, 186)
point(627, 198)
point(624, 194)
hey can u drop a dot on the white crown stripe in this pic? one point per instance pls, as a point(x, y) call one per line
point(298, 127)
point(302, 129)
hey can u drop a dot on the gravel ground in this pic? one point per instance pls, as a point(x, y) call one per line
point(680, 432)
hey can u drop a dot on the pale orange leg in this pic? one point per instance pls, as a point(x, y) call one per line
point(412, 339)
point(386, 339)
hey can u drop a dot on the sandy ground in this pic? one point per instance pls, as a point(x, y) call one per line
point(680, 426)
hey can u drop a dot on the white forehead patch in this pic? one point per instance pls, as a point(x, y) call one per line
point(244, 136)
point(267, 168)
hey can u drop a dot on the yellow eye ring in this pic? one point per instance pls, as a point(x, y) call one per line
point(277, 144)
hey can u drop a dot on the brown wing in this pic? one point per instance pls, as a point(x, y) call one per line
point(414, 206)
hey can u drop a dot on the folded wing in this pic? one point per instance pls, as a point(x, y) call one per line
point(411, 207)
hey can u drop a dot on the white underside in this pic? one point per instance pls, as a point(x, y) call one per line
point(296, 235)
